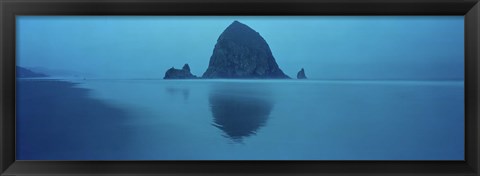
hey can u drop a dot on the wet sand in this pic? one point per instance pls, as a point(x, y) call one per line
point(53, 117)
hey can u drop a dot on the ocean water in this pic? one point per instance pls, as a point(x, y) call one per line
point(239, 120)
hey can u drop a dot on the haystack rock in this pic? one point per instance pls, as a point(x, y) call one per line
point(301, 74)
point(241, 52)
point(183, 73)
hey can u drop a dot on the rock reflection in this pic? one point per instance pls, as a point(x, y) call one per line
point(179, 91)
point(239, 112)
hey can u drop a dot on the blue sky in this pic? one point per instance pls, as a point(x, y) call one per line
point(328, 47)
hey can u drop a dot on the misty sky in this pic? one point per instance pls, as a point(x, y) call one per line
point(328, 47)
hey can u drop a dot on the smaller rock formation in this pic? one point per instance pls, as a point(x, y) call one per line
point(301, 74)
point(183, 73)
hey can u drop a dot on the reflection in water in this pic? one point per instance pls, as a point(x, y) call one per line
point(175, 90)
point(239, 113)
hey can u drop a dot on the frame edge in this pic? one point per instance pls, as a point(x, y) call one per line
point(472, 65)
point(7, 50)
point(7, 91)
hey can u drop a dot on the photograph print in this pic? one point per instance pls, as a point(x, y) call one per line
point(240, 88)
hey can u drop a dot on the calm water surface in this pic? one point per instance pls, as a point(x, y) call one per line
point(239, 120)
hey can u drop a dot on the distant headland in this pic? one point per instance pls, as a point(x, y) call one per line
point(240, 53)
point(27, 73)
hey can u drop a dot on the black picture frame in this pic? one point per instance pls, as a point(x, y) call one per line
point(10, 8)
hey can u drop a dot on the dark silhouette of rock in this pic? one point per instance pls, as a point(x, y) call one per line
point(26, 73)
point(301, 74)
point(241, 52)
point(183, 73)
point(186, 68)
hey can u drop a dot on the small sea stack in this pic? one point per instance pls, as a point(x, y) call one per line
point(183, 73)
point(301, 74)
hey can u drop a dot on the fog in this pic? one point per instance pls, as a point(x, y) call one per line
point(328, 47)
